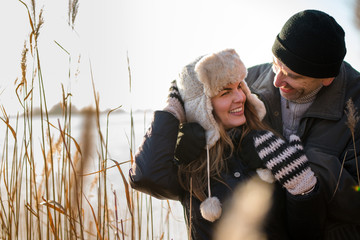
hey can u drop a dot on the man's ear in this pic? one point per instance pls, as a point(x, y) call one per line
point(327, 81)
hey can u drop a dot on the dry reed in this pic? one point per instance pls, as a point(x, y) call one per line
point(357, 13)
point(353, 119)
point(72, 12)
point(44, 181)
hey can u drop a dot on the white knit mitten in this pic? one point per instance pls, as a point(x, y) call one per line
point(287, 161)
point(175, 104)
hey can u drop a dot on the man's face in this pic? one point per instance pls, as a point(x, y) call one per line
point(292, 85)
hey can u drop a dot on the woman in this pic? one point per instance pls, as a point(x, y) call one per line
point(211, 92)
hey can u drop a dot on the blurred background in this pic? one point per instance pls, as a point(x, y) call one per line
point(155, 37)
point(127, 52)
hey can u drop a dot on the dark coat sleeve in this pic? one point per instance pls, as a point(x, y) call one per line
point(154, 170)
point(306, 215)
point(255, 72)
point(337, 186)
point(333, 200)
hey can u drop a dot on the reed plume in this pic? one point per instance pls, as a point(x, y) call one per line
point(72, 12)
point(39, 25)
point(24, 64)
point(353, 119)
point(352, 115)
point(357, 14)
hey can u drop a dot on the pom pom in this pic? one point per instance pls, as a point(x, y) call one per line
point(211, 209)
point(265, 175)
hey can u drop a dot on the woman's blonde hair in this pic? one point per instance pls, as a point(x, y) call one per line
point(219, 153)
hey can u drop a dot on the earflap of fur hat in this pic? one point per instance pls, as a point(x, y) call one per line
point(200, 110)
point(198, 107)
point(219, 69)
point(254, 100)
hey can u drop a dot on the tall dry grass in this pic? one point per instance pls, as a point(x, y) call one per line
point(54, 194)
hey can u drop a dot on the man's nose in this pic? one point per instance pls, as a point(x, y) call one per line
point(279, 80)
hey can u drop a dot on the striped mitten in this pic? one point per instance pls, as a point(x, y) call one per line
point(175, 104)
point(286, 160)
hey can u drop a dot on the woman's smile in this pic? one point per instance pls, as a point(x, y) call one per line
point(237, 111)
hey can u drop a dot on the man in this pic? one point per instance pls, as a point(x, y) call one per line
point(309, 90)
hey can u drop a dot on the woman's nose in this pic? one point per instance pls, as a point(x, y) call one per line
point(240, 96)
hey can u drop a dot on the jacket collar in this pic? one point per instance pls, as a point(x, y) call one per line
point(330, 101)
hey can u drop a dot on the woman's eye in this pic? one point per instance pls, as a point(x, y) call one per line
point(224, 93)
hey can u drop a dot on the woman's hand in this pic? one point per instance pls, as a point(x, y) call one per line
point(191, 142)
point(286, 160)
point(175, 104)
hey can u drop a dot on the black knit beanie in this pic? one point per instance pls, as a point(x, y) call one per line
point(311, 43)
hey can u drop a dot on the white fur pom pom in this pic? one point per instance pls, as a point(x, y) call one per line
point(265, 175)
point(211, 209)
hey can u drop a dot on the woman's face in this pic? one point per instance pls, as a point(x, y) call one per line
point(229, 105)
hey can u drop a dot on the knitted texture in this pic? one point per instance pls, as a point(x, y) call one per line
point(287, 161)
point(311, 43)
point(175, 104)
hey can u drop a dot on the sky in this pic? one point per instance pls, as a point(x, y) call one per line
point(158, 37)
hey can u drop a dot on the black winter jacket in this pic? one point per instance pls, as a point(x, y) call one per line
point(155, 172)
point(333, 211)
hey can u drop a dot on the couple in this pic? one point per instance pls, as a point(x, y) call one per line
point(214, 134)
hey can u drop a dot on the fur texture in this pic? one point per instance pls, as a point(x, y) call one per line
point(204, 78)
point(220, 69)
point(211, 209)
point(254, 100)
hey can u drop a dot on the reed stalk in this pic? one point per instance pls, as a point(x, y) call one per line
point(353, 119)
point(44, 180)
